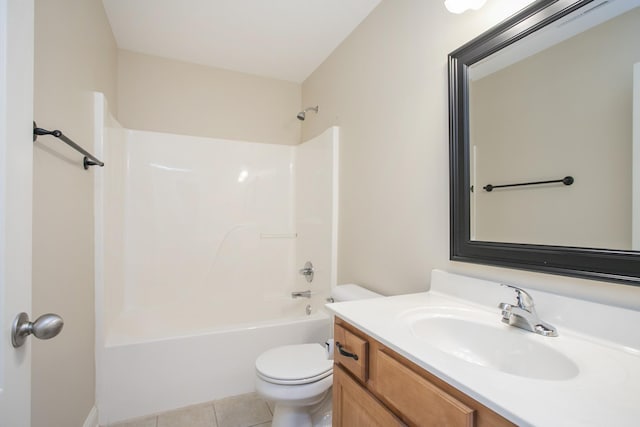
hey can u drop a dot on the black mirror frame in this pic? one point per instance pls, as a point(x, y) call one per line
point(598, 264)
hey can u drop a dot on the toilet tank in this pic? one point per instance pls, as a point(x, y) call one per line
point(348, 292)
point(351, 292)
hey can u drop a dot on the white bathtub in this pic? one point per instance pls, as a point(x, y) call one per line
point(156, 375)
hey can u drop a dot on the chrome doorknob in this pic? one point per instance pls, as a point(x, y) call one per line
point(45, 327)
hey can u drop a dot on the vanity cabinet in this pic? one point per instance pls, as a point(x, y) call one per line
point(375, 386)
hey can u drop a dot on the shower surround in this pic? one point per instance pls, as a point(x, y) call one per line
point(198, 246)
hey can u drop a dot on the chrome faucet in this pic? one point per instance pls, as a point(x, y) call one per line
point(523, 314)
point(301, 294)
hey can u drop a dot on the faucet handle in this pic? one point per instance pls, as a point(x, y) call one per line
point(307, 271)
point(525, 301)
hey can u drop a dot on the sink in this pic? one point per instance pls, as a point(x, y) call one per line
point(478, 338)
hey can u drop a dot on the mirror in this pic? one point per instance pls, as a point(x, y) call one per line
point(542, 143)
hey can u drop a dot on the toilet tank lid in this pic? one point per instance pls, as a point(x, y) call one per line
point(351, 292)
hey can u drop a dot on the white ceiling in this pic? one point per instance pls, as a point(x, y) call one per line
point(282, 39)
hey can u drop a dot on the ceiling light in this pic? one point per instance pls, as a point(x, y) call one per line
point(460, 6)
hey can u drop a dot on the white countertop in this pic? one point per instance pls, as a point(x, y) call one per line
point(604, 392)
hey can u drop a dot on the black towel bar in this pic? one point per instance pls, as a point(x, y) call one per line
point(567, 180)
point(89, 159)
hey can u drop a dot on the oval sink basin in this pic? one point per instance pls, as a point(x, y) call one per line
point(500, 347)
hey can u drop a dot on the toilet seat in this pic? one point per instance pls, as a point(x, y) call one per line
point(294, 364)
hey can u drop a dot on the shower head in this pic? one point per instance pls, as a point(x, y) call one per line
point(302, 114)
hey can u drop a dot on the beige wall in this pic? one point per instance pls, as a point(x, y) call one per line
point(75, 53)
point(164, 95)
point(386, 86)
point(586, 108)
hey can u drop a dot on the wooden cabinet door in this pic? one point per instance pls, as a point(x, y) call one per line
point(420, 402)
point(353, 406)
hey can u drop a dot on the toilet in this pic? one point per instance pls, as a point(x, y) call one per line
point(298, 378)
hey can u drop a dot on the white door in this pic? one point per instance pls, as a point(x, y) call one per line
point(16, 163)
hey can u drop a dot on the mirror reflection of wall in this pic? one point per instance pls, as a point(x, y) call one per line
point(566, 110)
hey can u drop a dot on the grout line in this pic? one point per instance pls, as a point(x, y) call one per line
point(215, 414)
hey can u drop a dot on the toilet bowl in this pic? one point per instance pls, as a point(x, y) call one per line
point(298, 378)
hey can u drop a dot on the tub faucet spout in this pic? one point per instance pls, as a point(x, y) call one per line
point(301, 294)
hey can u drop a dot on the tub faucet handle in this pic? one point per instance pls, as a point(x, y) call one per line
point(307, 271)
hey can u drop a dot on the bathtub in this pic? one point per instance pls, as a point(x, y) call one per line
point(147, 374)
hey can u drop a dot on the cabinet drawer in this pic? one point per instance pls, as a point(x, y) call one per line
point(420, 402)
point(351, 344)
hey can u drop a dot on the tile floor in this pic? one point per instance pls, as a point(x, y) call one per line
point(247, 410)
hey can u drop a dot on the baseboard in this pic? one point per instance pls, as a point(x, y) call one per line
point(92, 418)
